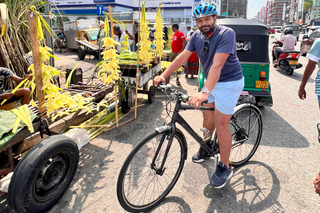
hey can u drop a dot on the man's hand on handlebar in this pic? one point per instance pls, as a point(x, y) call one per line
point(159, 79)
point(197, 99)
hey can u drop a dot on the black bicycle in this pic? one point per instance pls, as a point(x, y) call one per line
point(153, 167)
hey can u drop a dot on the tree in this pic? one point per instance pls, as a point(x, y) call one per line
point(307, 5)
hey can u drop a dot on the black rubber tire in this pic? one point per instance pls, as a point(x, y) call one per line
point(151, 94)
point(289, 71)
point(143, 154)
point(43, 175)
point(81, 52)
point(244, 116)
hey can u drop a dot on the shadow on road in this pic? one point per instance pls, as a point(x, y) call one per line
point(84, 183)
point(253, 187)
point(86, 179)
point(172, 204)
point(295, 76)
point(278, 132)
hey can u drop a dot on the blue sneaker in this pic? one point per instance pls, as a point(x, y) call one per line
point(221, 175)
point(318, 127)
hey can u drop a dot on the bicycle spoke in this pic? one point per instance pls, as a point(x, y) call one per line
point(141, 184)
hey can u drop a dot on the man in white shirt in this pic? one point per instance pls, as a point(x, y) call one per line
point(189, 31)
point(311, 30)
point(288, 41)
point(119, 37)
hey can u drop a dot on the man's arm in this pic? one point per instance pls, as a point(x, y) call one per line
point(185, 42)
point(6, 95)
point(215, 70)
point(212, 79)
point(18, 79)
point(130, 36)
point(306, 75)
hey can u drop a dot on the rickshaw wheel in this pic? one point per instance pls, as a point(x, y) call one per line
point(43, 175)
point(151, 94)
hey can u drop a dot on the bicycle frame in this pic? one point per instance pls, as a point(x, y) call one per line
point(177, 118)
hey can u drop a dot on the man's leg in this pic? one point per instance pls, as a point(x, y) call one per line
point(24, 93)
point(208, 118)
point(224, 136)
point(208, 123)
point(276, 53)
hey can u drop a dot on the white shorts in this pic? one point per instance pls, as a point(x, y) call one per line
point(225, 95)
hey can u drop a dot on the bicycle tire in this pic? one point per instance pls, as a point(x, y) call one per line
point(132, 173)
point(244, 143)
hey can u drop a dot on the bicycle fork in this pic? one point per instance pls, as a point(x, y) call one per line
point(171, 132)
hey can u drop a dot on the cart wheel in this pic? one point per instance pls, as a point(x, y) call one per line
point(43, 174)
point(151, 94)
point(125, 108)
point(81, 52)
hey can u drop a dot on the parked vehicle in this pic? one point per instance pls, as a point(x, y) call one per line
point(277, 28)
point(83, 28)
point(252, 50)
point(271, 30)
point(295, 28)
point(307, 42)
point(288, 60)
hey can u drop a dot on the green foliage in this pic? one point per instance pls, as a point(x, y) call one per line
point(307, 5)
point(17, 37)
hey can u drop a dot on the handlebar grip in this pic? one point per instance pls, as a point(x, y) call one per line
point(205, 102)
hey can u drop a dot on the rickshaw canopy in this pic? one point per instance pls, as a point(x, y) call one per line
point(252, 39)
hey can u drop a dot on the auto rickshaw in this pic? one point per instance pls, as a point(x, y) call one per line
point(252, 49)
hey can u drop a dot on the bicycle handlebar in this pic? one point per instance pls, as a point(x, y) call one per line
point(176, 94)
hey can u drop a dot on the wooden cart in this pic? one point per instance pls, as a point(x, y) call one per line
point(128, 76)
point(43, 174)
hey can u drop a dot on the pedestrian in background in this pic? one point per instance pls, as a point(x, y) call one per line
point(314, 58)
point(192, 65)
point(312, 29)
point(178, 44)
point(190, 31)
point(119, 37)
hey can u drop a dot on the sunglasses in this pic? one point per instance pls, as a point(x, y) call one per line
point(206, 46)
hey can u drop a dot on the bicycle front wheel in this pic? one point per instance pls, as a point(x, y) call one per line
point(246, 129)
point(141, 185)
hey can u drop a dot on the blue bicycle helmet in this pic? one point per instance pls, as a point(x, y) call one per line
point(203, 10)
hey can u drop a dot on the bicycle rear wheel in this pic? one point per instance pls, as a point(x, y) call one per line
point(246, 130)
point(140, 187)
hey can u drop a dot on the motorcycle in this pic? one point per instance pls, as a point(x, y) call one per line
point(287, 61)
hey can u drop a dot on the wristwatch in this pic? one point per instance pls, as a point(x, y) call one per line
point(205, 90)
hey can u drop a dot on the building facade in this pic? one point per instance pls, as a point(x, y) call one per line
point(315, 11)
point(277, 15)
point(234, 8)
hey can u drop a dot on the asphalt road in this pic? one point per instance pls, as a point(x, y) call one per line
point(277, 179)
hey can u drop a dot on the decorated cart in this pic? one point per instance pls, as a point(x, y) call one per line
point(36, 159)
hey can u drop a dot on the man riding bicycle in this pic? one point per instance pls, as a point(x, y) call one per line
point(216, 47)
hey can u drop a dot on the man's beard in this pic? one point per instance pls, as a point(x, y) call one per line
point(211, 28)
